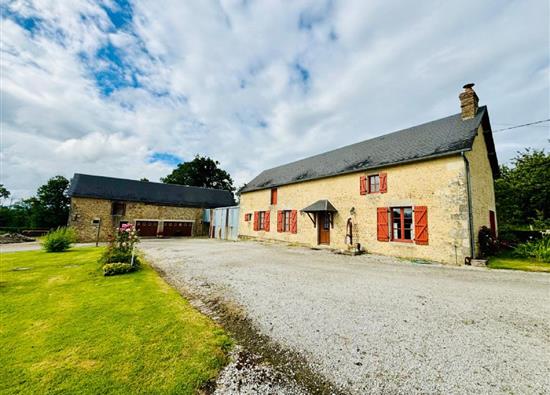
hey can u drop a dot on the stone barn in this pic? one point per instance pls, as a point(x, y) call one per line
point(99, 204)
point(422, 192)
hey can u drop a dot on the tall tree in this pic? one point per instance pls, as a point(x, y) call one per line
point(50, 207)
point(523, 190)
point(200, 172)
point(4, 193)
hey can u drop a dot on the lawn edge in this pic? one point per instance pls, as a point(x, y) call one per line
point(246, 335)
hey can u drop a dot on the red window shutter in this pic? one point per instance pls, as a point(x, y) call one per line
point(266, 221)
point(382, 223)
point(293, 221)
point(274, 196)
point(363, 185)
point(280, 219)
point(421, 225)
point(383, 182)
point(256, 215)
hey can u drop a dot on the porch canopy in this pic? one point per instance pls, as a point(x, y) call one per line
point(319, 206)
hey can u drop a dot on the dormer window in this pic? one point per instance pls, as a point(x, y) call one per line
point(374, 183)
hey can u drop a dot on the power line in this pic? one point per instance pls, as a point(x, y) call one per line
point(521, 126)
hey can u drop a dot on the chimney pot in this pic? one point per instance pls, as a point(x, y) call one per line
point(468, 101)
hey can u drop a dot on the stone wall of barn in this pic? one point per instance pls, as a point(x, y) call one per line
point(85, 210)
point(438, 184)
point(482, 185)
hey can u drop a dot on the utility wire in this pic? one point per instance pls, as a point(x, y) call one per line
point(521, 126)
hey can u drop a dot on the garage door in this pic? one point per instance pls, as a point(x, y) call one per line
point(147, 228)
point(176, 229)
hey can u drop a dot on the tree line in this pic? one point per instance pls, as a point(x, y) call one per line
point(522, 193)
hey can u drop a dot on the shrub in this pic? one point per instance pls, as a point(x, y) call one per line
point(112, 269)
point(488, 244)
point(121, 245)
point(125, 238)
point(537, 249)
point(113, 254)
point(59, 240)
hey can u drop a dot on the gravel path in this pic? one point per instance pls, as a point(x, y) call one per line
point(379, 324)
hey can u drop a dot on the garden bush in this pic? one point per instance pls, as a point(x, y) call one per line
point(111, 255)
point(537, 249)
point(117, 258)
point(488, 244)
point(112, 269)
point(59, 240)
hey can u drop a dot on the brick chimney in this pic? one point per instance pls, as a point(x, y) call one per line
point(468, 101)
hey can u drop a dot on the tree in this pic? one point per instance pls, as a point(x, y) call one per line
point(200, 172)
point(523, 190)
point(4, 193)
point(145, 179)
point(50, 207)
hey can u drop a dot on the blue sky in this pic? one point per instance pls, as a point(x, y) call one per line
point(130, 88)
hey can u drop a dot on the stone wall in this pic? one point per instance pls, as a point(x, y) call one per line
point(439, 184)
point(85, 210)
point(482, 185)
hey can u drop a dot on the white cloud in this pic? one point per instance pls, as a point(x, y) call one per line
point(223, 79)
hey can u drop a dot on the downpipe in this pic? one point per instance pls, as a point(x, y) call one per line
point(470, 215)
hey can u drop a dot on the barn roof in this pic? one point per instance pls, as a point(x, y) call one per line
point(445, 136)
point(85, 185)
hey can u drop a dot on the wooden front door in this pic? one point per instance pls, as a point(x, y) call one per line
point(323, 224)
point(147, 228)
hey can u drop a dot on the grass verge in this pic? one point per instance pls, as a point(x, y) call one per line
point(67, 329)
point(508, 261)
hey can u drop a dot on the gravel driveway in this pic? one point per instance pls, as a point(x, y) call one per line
point(379, 324)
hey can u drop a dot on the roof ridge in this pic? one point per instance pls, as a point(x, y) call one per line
point(148, 182)
point(480, 109)
point(440, 137)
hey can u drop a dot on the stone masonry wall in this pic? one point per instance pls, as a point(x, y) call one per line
point(84, 210)
point(483, 191)
point(439, 184)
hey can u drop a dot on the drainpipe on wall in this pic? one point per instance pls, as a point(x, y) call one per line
point(470, 217)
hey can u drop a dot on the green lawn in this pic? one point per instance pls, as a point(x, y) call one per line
point(67, 329)
point(507, 261)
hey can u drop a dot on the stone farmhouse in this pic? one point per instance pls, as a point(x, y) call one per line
point(99, 204)
point(422, 192)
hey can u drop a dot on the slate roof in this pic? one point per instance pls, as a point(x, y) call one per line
point(110, 188)
point(319, 205)
point(445, 136)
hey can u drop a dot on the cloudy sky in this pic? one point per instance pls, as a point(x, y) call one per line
point(129, 88)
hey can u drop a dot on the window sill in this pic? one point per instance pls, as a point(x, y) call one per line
point(401, 241)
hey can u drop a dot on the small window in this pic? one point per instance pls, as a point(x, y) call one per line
point(286, 221)
point(118, 208)
point(326, 221)
point(374, 183)
point(247, 217)
point(274, 196)
point(401, 222)
point(261, 220)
